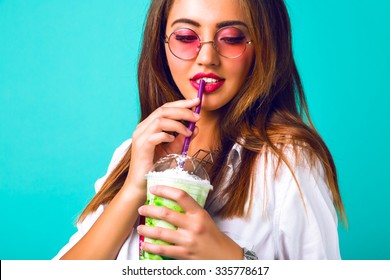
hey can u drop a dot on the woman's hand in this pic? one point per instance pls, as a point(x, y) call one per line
point(152, 139)
point(197, 236)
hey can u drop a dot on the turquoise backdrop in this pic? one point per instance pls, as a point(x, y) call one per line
point(68, 98)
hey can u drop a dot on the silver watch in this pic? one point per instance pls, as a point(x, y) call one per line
point(249, 255)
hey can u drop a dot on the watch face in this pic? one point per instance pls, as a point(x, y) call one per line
point(249, 255)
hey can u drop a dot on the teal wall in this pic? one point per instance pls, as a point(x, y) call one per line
point(68, 97)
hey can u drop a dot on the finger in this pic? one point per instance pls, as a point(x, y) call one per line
point(145, 145)
point(177, 109)
point(158, 138)
point(185, 103)
point(173, 113)
point(156, 133)
point(164, 124)
point(173, 147)
point(163, 213)
point(176, 252)
point(177, 145)
point(158, 233)
point(176, 113)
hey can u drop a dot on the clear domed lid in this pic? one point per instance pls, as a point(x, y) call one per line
point(191, 165)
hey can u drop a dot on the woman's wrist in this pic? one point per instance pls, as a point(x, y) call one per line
point(131, 192)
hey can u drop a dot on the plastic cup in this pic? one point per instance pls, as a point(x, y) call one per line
point(178, 171)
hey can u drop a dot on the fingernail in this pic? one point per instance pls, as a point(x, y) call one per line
point(196, 115)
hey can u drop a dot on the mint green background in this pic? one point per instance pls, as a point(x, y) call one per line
point(68, 98)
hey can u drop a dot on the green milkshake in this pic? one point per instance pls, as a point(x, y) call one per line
point(182, 172)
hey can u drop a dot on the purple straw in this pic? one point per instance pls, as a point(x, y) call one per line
point(191, 126)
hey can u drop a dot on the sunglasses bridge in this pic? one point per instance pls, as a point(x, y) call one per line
point(201, 43)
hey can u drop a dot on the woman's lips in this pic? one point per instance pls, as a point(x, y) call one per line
point(209, 87)
point(213, 82)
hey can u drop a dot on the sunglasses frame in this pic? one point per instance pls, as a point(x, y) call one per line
point(201, 43)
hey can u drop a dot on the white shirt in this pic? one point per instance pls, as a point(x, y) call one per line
point(282, 223)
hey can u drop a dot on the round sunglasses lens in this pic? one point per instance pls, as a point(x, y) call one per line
point(184, 43)
point(230, 42)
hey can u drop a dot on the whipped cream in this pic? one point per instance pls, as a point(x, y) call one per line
point(178, 174)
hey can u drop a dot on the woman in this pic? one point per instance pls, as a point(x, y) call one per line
point(275, 185)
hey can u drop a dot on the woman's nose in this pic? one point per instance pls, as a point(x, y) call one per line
point(208, 55)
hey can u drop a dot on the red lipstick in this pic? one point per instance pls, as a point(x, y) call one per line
point(213, 82)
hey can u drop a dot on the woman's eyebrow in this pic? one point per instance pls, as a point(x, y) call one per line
point(186, 20)
point(218, 25)
point(230, 23)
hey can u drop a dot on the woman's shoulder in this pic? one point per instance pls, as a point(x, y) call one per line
point(119, 153)
point(297, 172)
point(296, 192)
point(291, 202)
point(292, 157)
point(117, 156)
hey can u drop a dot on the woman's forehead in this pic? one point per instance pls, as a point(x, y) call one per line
point(206, 12)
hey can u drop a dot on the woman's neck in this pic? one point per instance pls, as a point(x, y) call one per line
point(208, 135)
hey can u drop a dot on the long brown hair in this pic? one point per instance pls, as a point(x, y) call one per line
point(268, 113)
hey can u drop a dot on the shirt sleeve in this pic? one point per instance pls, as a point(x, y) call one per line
point(305, 217)
point(90, 219)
